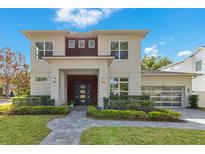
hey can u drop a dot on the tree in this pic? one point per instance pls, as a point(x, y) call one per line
point(12, 65)
point(154, 63)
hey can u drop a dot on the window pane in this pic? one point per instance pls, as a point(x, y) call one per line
point(113, 86)
point(48, 53)
point(176, 88)
point(198, 65)
point(123, 45)
point(123, 79)
point(114, 94)
point(155, 93)
point(48, 45)
point(123, 93)
point(91, 43)
point(115, 54)
point(115, 45)
point(71, 43)
point(158, 88)
point(40, 55)
point(123, 54)
point(39, 46)
point(113, 79)
point(155, 98)
point(123, 86)
point(166, 88)
point(81, 43)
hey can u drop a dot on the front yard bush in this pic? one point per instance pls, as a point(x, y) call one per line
point(33, 101)
point(144, 105)
point(115, 114)
point(36, 110)
point(164, 114)
point(130, 97)
point(6, 109)
point(159, 115)
point(193, 100)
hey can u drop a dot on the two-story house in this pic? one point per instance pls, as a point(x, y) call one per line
point(86, 67)
point(194, 63)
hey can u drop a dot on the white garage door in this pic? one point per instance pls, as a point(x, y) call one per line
point(166, 96)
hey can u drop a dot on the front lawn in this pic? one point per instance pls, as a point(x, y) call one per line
point(141, 136)
point(24, 129)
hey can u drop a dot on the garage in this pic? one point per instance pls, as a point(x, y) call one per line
point(167, 89)
point(165, 96)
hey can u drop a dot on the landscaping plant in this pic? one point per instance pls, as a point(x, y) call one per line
point(193, 100)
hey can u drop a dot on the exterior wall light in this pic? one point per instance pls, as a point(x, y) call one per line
point(103, 80)
point(54, 80)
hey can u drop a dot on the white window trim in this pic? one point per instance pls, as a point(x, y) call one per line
point(44, 47)
point(118, 82)
point(69, 46)
point(119, 58)
point(91, 47)
point(83, 43)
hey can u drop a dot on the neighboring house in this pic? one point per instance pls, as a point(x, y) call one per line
point(86, 67)
point(196, 64)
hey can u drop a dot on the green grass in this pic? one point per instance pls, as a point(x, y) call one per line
point(141, 136)
point(25, 129)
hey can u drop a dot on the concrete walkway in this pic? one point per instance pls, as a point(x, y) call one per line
point(67, 130)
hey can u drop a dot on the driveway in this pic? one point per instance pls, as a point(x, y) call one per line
point(191, 115)
point(67, 130)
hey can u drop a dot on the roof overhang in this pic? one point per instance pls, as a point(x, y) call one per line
point(168, 73)
point(141, 33)
point(55, 58)
point(30, 33)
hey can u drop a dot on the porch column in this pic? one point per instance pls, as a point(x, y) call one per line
point(54, 86)
point(102, 85)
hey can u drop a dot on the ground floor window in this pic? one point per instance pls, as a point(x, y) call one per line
point(164, 95)
point(118, 86)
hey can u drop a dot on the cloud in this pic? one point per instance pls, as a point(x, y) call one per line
point(162, 43)
point(184, 53)
point(152, 51)
point(82, 18)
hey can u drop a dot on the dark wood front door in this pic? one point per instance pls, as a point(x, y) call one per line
point(82, 89)
point(83, 93)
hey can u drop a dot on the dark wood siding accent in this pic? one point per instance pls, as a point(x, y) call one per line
point(81, 51)
point(92, 79)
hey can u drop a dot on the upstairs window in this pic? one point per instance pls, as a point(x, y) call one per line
point(91, 44)
point(71, 43)
point(81, 44)
point(199, 65)
point(119, 49)
point(43, 49)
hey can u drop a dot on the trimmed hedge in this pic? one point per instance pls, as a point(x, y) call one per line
point(35, 110)
point(130, 97)
point(161, 114)
point(144, 105)
point(164, 114)
point(33, 101)
point(115, 114)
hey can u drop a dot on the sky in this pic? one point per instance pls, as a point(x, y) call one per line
point(174, 33)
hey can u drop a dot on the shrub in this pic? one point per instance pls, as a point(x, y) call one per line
point(33, 101)
point(144, 105)
point(115, 114)
point(130, 97)
point(164, 114)
point(6, 109)
point(193, 100)
point(35, 110)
